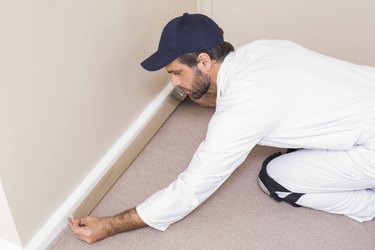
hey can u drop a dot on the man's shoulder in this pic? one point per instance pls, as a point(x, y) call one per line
point(268, 43)
point(266, 48)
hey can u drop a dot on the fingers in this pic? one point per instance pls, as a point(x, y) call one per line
point(73, 221)
point(79, 230)
point(87, 229)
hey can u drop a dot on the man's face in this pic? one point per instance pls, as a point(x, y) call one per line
point(194, 83)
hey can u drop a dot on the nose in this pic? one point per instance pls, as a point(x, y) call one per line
point(175, 81)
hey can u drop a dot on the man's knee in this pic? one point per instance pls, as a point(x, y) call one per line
point(273, 188)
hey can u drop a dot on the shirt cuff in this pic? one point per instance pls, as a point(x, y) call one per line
point(142, 213)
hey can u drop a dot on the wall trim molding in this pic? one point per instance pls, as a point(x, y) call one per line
point(8, 245)
point(106, 172)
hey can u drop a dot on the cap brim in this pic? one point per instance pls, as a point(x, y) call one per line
point(158, 60)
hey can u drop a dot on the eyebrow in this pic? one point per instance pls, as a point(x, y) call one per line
point(173, 71)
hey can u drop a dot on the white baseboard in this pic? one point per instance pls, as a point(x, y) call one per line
point(110, 167)
point(6, 245)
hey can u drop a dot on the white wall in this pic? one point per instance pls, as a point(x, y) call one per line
point(340, 28)
point(70, 86)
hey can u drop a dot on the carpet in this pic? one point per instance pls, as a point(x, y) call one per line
point(237, 216)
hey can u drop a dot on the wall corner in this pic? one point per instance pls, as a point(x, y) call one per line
point(9, 238)
point(205, 7)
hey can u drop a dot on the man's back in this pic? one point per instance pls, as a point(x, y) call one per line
point(302, 98)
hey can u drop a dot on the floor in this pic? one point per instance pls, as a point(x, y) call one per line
point(238, 216)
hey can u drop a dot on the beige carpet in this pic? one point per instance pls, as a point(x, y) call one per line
point(237, 216)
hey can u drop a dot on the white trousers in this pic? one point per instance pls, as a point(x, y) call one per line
point(340, 182)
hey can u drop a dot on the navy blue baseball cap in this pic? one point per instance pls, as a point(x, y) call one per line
point(184, 34)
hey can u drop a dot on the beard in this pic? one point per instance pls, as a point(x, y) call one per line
point(201, 84)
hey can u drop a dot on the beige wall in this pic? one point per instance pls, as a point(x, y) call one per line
point(70, 86)
point(340, 28)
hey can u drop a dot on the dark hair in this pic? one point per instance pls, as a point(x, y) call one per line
point(217, 53)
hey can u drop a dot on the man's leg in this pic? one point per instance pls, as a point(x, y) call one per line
point(341, 182)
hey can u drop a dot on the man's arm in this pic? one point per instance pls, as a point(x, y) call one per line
point(92, 228)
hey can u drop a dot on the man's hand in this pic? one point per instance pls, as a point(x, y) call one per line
point(92, 228)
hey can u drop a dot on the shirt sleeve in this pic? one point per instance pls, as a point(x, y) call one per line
point(229, 139)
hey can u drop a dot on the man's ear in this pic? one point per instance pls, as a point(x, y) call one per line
point(204, 62)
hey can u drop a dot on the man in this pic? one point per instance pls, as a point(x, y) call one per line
point(273, 93)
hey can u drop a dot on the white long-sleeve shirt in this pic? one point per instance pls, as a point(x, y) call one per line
point(274, 93)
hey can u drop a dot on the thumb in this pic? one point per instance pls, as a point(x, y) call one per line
point(75, 223)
